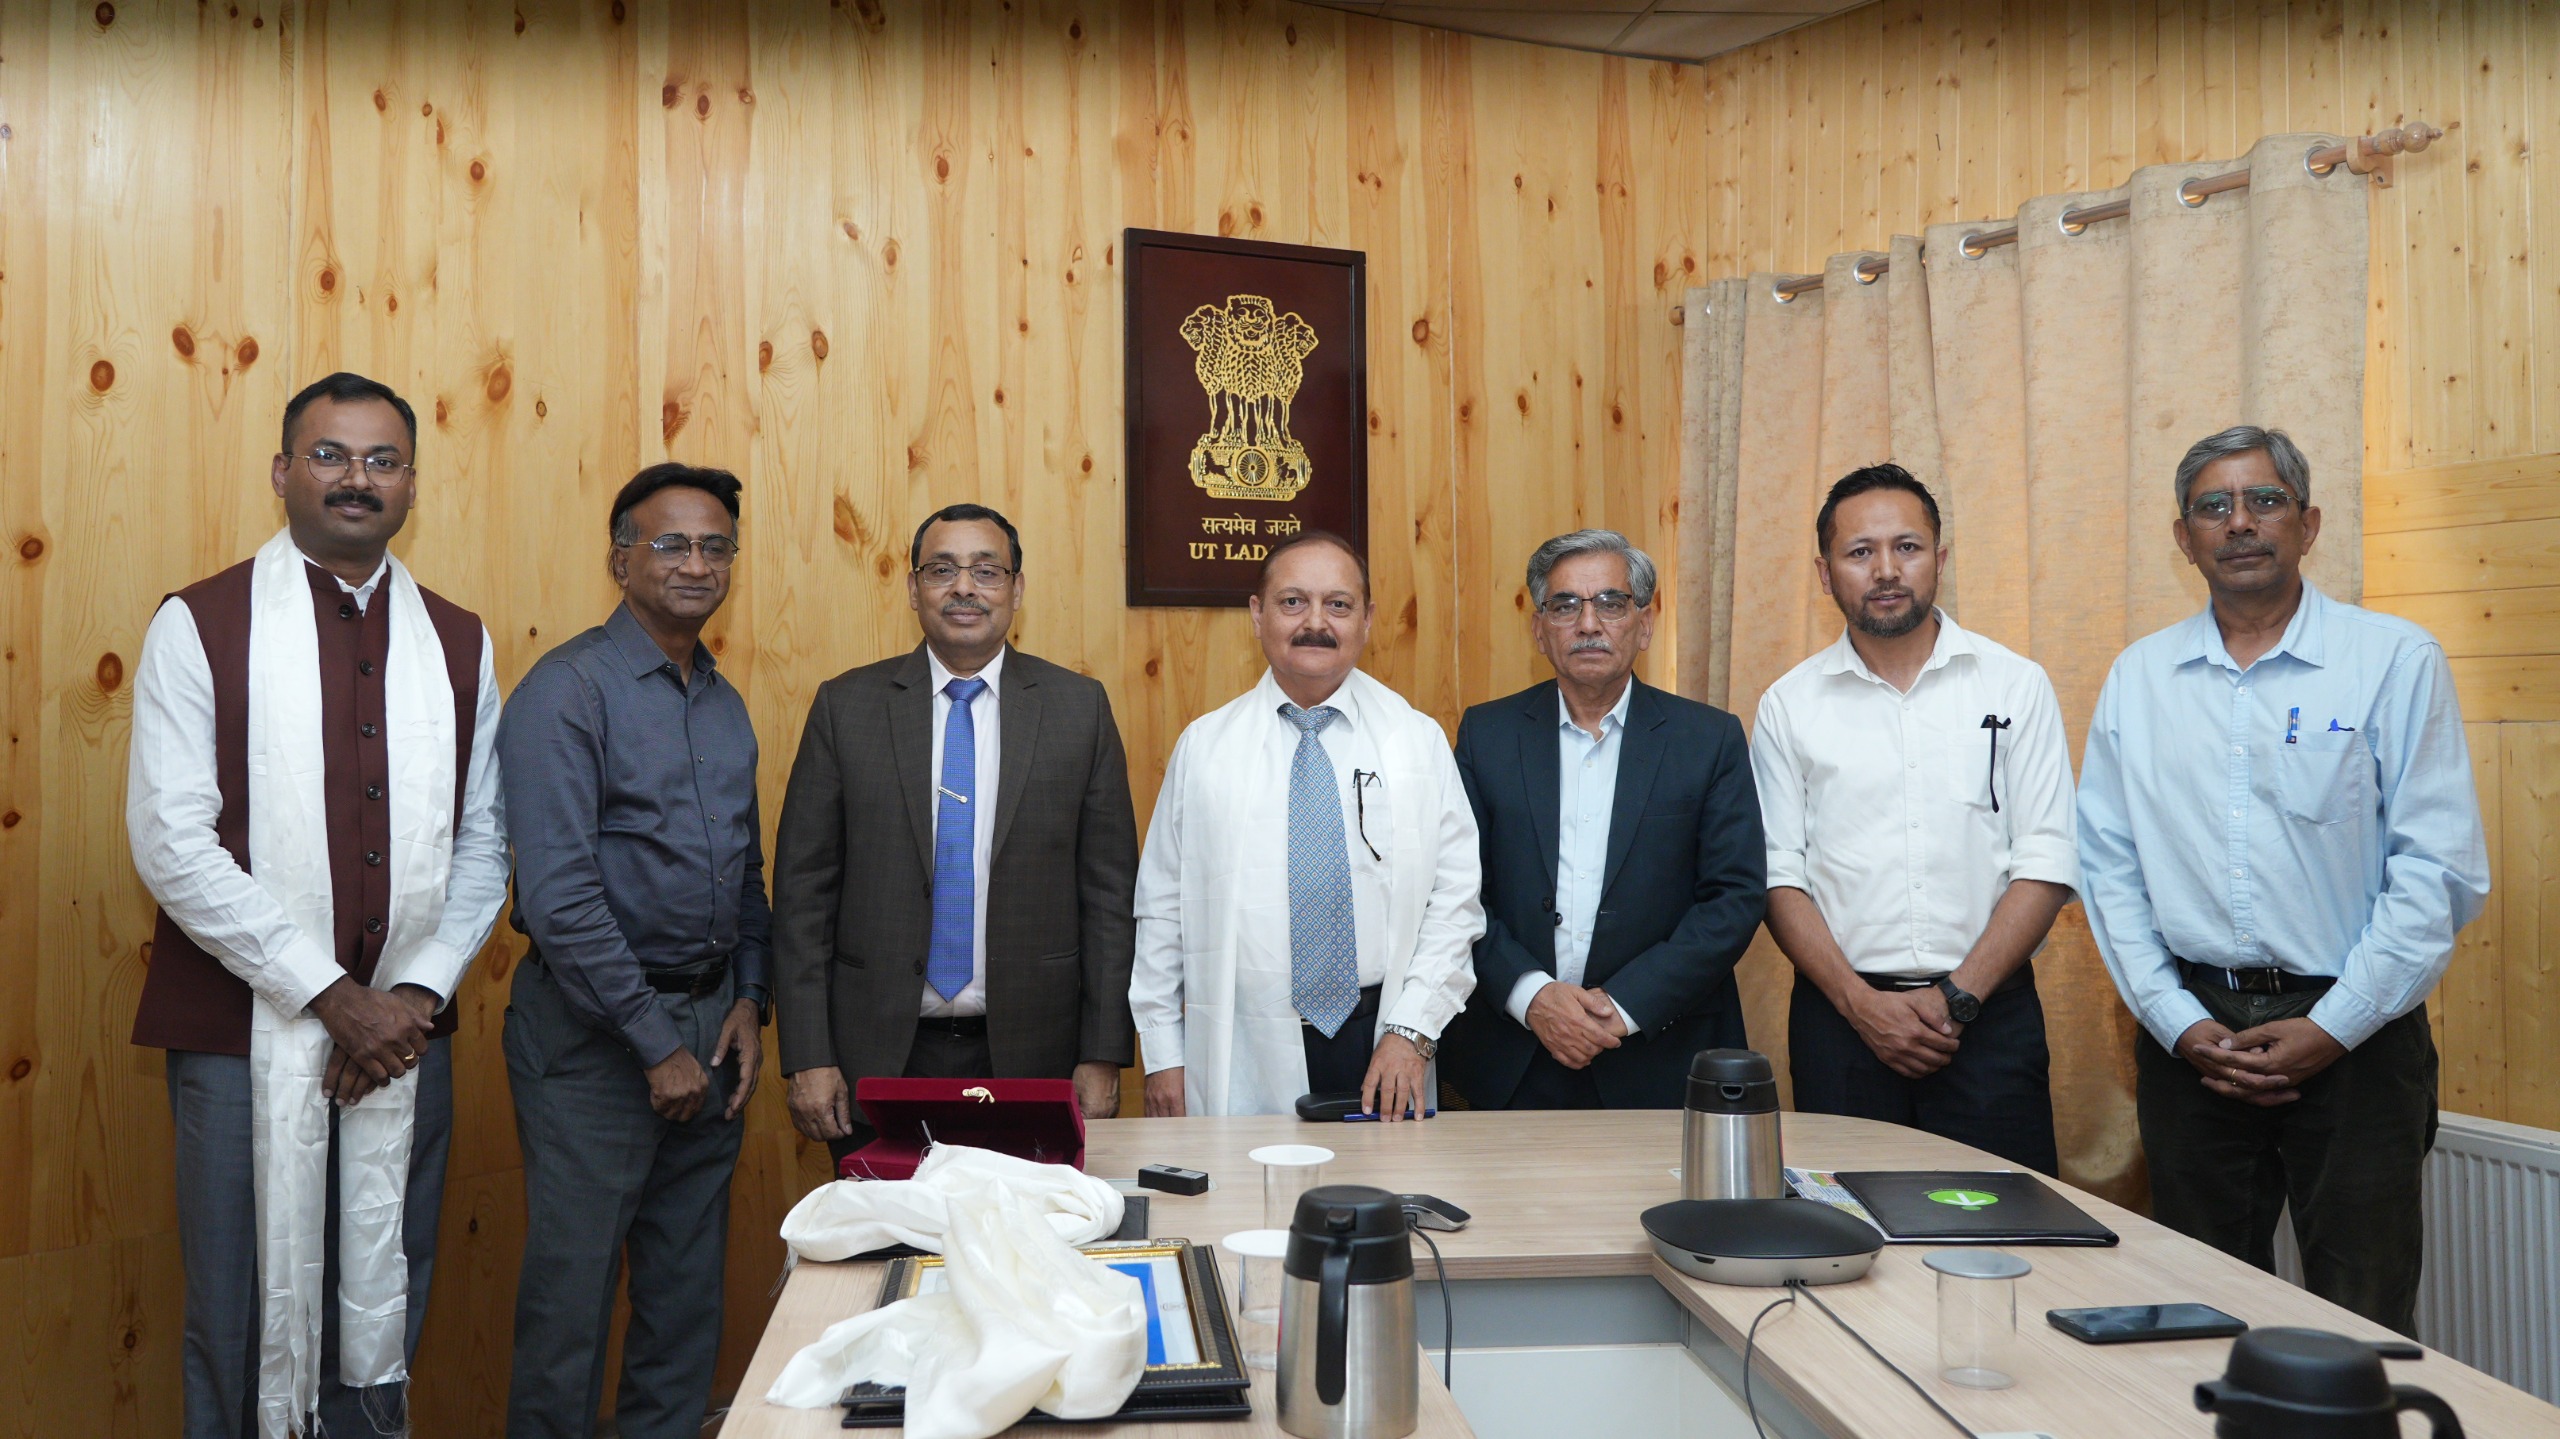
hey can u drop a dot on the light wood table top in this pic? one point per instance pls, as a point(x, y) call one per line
point(1557, 1194)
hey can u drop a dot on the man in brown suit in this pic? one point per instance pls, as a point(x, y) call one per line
point(952, 874)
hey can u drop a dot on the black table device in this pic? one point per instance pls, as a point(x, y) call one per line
point(2138, 1323)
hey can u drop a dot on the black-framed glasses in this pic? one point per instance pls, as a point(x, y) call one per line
point(943, 574)
point(331, 465)
point(1613, 607)
point(2213, 511)
point(718, 551)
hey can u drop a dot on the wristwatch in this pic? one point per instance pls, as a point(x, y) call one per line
point(1963, 1008)
point(1423, 1043)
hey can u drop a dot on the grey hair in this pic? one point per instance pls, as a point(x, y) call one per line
point(1640, 572)
point(2278, 446)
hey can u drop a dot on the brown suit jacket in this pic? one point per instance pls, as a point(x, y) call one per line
point(853, 875)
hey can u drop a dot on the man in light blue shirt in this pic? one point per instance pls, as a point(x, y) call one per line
point(2279, 840)
point(1623, 872)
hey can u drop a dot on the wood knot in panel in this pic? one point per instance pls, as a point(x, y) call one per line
point(102, 376)
point(110, 672)
point(31, 549)
point(818, 343)
point(184, 341)
point(106, 14)
point(245, 353)
point(501, 382)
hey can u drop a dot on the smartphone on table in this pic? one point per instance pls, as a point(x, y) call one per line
point(2137, 1323)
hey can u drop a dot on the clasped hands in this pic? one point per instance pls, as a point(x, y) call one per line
point(1575, 1024)
point(2265, 1066)
point(375, 1035)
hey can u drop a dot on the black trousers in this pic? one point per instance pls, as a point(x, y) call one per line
point(2348, 1155)
point(1341, 1063)
point(1549, 1085)
point(1995, 1095)
point(938, 1054)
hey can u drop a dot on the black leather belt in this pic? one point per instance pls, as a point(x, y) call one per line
point(1899, 983)
point(1367, 1008)
point(689, 981)
point(966, 1026)
point(2257, 979)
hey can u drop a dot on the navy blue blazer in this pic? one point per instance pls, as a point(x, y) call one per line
point(1683, 891)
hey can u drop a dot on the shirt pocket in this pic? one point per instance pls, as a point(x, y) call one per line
point(1967, 772)
point(2324, 778)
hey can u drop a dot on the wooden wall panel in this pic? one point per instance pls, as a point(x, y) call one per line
point(867, 255)
point(1998, 103)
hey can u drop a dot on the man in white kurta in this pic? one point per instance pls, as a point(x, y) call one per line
point(1252, 986)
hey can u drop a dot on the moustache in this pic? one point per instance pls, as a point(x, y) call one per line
point(2243, 550)
point(965, 607)
point(1592, 645)
point(1896, 593)
point(366, 498)
point(1314, 640)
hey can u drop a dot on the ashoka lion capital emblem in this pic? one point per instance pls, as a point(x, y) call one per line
point(1251, 360)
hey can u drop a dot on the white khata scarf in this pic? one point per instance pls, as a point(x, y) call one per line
point(289, 1053)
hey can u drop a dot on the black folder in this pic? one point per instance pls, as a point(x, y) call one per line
point(1972, 1207)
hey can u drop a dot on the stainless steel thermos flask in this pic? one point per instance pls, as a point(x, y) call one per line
point(1348, 1365)
point(1729, 1129)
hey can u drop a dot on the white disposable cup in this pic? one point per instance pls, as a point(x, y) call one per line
point(1257, 1254)
point(1288, 1170)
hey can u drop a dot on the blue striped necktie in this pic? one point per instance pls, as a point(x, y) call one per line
point(952, 959)
point(1324, 954)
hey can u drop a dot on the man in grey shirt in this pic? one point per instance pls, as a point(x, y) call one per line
point(633, 1037)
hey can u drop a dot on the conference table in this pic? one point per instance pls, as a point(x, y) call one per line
point(1555, 1249)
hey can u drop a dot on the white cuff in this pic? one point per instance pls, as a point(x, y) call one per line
point(1160, 1049)
point(1626, 1019)
point(299, 974)
point(1517, 1005)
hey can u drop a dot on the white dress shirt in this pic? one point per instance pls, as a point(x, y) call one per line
point(1587, 794)
point(1879, 804)
point(172, 801)
point(986, 713)
point(2314, 812)
point(1211, 989)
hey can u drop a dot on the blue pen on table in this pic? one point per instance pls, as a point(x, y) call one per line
point(2293, 724)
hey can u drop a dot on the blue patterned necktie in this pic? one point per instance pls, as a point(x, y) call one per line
point(1324, 956)
point(952, 959)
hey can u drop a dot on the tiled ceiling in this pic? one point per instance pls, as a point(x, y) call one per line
point(1667, 30)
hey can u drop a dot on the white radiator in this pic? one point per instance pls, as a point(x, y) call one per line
point(2490, 1293)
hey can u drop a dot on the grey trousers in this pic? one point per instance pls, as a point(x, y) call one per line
point(218, 1240)
point(607, 1180)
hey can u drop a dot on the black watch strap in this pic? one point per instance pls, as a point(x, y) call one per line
point(1962, 1007)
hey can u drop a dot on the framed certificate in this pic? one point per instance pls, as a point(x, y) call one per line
point(1194, 1369)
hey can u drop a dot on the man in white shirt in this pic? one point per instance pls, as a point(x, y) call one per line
point(1915, 785)
point(1307, 897)
point(313, 799)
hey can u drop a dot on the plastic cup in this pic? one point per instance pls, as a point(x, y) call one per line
point(1288, 1170)
point(1257, 1253)
point(1978, 1316)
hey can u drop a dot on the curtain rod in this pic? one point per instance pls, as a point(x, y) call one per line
point(2363, 156)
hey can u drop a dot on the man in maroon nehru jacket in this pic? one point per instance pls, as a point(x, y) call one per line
point(313, 800)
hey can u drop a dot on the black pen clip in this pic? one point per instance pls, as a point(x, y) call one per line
point(1995, 724)
point(1361, 779)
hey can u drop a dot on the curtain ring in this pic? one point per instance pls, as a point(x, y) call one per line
point(2318, 171)
point(2069, 225)
point(1973, 247)
point(1863, 275)
point(2187, 195)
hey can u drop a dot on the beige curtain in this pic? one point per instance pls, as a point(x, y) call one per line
point(2044, 391)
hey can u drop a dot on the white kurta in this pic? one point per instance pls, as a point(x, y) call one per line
point(1210, 989)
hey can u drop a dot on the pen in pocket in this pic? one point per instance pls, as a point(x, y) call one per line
point(2293, 724)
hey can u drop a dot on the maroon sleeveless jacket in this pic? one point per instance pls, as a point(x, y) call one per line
point(189, 1001)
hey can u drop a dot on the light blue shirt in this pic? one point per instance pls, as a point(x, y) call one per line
point(1587, 774)
point(2314, 812)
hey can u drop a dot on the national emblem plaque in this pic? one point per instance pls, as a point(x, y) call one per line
point(1247, 401)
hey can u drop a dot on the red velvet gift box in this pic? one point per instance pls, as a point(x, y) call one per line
point(1034, 1119)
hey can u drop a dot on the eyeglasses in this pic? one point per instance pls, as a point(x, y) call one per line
point(942, 574)
point(718, 551)
point(2213, 511)
point(1613, 605)
point(329, 466)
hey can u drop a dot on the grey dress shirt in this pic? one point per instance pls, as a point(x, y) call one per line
point(631, 800)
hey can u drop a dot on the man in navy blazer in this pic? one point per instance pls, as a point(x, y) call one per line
point(1624, 872)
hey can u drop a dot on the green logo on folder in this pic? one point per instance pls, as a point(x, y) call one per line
point(1967, 1199)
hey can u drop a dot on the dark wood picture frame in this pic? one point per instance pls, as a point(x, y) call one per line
point(1191, 489)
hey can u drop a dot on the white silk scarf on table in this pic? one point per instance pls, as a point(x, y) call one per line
point(1026, 1323)
point(289, 1053)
